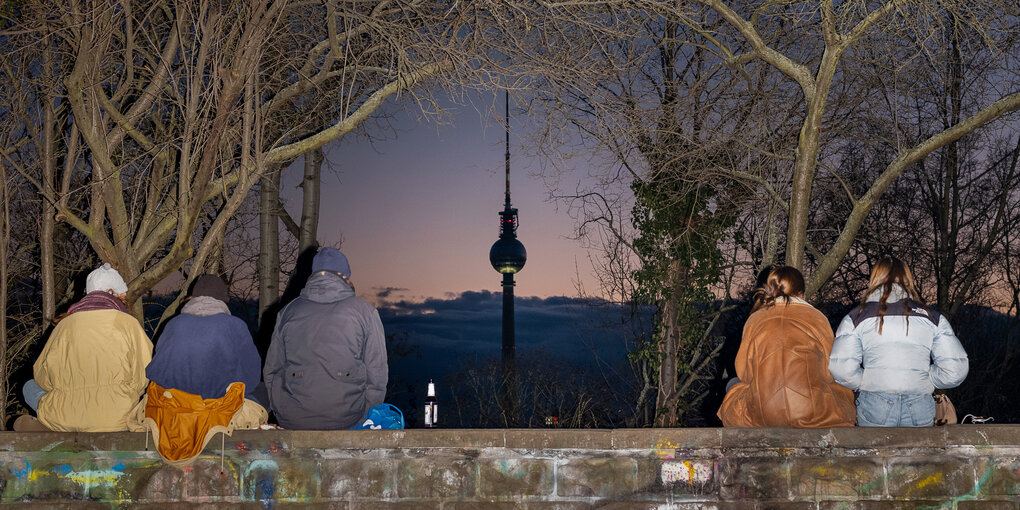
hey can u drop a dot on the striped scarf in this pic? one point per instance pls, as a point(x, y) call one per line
point(97, 300)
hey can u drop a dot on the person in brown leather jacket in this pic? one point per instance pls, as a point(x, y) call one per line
point(783, 363)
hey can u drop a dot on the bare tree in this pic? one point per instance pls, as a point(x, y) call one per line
point(780, 90)
point(835, 34)
point(664, 115)
point(180, 104)
point(948, 212)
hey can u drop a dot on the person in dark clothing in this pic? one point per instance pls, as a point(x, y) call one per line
point(205, 349)
point(327, 363)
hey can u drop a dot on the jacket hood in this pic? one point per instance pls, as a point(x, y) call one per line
point(324, 287)
point(204, 306)
point(897, 293)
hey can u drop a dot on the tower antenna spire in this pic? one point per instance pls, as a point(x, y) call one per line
point(506, 109)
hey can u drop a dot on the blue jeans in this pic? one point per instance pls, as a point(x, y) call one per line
point(32, 393)
point(894, 410)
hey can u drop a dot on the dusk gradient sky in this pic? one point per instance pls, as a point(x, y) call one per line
point(417, 212)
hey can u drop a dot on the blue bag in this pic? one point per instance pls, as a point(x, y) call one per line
point(382, 416)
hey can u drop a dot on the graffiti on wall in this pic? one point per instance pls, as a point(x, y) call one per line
point(90, 483)
point(271, 473)
point(686, 472)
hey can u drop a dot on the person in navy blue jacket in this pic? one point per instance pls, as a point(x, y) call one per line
point(205, 349)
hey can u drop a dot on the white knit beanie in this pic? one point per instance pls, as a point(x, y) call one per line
point(105, 278)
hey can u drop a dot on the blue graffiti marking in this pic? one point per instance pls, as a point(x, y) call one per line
point(266, 488)
point(22, 473)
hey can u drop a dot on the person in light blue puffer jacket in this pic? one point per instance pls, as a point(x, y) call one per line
point(895, 351)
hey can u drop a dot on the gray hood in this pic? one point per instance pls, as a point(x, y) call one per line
point(204, 306)
point(897, 293)
point(325, 287)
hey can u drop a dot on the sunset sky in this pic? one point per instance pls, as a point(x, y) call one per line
point(417, 213)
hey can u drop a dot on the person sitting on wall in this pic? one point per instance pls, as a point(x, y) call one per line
point(782, 368)
point(326, 364)
point(92, 370)
point(204, 374)
point(895, 351)
point(205, 348)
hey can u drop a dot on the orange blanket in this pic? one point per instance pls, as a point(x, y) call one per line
point(182, 423)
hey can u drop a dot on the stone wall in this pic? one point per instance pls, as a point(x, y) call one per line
point(957, 467)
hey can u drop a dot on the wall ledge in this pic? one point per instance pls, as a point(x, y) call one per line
point(600, 439)
point(956, 467)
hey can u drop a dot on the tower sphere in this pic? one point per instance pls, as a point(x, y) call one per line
point(508, 255)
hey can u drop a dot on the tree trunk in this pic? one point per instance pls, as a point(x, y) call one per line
point(5, 237)
point(949, 215)
point(310, 200)
point(669, 350)
point(215, 264)
point(269, 242)
point(48, 212)
point(665, 413)
point(808, 147)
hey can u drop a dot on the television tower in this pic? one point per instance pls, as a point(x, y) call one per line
point(508, 256)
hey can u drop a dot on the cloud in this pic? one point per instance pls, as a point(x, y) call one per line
point(385, 292)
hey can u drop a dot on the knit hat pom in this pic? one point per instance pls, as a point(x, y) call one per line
point(105, 278)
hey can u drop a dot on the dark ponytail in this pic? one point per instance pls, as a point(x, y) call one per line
point(783, 282)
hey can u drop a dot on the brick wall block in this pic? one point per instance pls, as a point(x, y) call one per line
point(203, 480)
point(606, 477)
point(35, 477)
point(484, 505)
point(561, 505)
point(986, 505)
point(358, 478)
point(437, 477)
point(931, 477)
point(819, 478)
point(156, 482)
point(284, 478)
point(678, 477)
point(881, 505)
point(754, 478)
point(514, 478)
point(999, 476)
point(677, 505)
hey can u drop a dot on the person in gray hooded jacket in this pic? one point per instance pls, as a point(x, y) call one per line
point(895, 351)
point(326, 364)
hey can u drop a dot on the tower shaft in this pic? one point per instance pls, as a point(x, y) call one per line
point(509, 346)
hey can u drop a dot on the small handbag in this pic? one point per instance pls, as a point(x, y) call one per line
point(945, 411)
point(382, 416)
